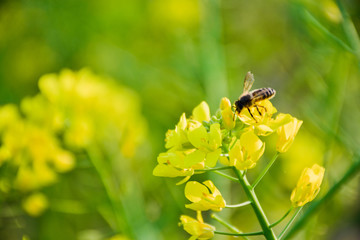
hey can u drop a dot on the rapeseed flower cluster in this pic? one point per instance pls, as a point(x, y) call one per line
point(202, 142)
point(73, 112)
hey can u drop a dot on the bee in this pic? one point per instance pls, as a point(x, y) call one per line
point(248, 99)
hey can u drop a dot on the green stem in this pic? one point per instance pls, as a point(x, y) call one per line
point(355, 168)
point(226, 176)
point(106, 178)
point(215, 169)
point(227, 225)
point(260, 214)
point(239, 234)
point(290, 222)
point(262, 174)
point(238, 205)
point(279, 221)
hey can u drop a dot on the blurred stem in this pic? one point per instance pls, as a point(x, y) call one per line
point(212, 53)
point(238, 205)
point(97, 160)
point(311, 19)
point(290, 222)
point(226, 224)
point(280, 220)
point(355, 168)
point(262, 174)
point(260, 214)
point(350, 30)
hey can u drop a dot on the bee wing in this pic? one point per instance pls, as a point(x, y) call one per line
point(248, 82)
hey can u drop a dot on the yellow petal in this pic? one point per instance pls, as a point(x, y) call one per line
point(287, 134)
point(198, 137)
point(201, 112)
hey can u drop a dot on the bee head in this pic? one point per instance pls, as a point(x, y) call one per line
point(239, 105)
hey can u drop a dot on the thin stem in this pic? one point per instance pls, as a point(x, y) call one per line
point(240, 234)
point(106, 178)
point(215, 169)
point(226, 224)
point(238, 205)
point(226, 176)
point(279, 221)
point(290, 222)
point(355, 168)
point(259, 212)
point(262, 174)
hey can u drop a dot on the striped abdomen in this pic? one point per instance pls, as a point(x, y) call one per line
point(262, 94)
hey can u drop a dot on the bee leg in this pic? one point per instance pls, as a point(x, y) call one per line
point(251, 114)
point(262, 107)
point(258, 110)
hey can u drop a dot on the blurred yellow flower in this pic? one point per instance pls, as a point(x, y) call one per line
point(37, 154)
point(35, 204)
point(196, 227)
point(308, 185)
point(74, 110)
point(246, 151)
point(227, 114)
point(176, 13)
point(85, 102)
point(205, 196)
point(331, 10)
point(9, 114)
point(287, 134)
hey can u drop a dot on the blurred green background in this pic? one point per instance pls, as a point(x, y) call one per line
point(174, 54)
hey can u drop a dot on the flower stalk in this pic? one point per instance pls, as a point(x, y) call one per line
point(262, 174)
point(259, 212)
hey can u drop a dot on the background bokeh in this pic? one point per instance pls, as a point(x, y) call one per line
point(173, 54)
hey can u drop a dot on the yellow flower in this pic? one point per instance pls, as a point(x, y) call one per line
point(265, 108)
point(204, 196)
point(246, 151)
point(287, 133)
point(177, 164)
point(35, 204)
point(207, 143)
point(227, 114)
point(196, 227)
point(203, 140)
point(178, 136)
point(308, 185)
